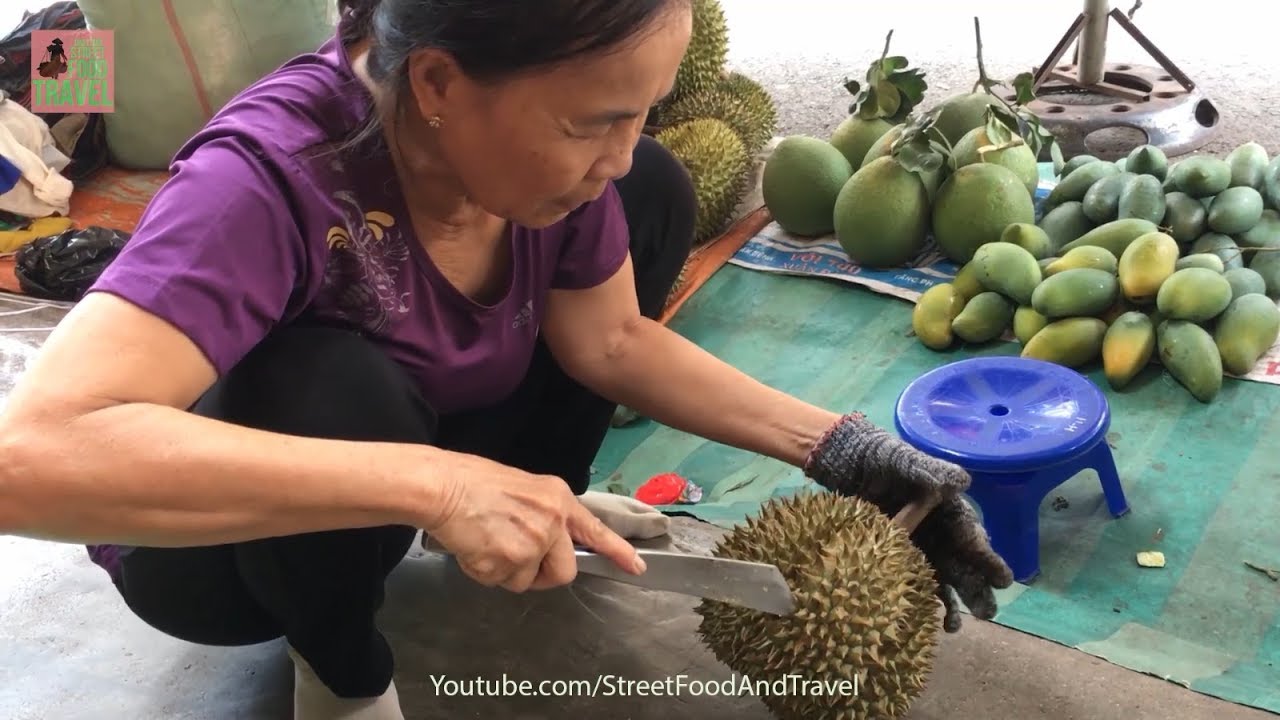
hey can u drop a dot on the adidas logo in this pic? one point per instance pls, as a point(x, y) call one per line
point(524, 317)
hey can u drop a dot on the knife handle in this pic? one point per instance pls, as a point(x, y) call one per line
point(916, 511)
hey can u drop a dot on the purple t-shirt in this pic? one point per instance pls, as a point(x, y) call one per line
point(264, 218)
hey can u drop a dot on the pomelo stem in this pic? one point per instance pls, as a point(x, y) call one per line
point(984, 80)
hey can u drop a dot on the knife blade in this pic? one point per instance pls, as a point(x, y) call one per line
point(758, 586)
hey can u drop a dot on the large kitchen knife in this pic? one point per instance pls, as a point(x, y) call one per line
point(754, 585)
point(758, 586)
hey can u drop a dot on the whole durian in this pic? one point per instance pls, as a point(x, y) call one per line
point(681, 278)
point(717, 163)
point(704, 60)
point(736, 99)
point(866, 611)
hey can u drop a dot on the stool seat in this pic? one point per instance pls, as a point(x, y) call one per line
point(1002, 414)
point(1020, 427)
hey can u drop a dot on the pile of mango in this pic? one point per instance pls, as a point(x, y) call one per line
point(1131, 265)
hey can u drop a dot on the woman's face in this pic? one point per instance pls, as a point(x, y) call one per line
point(533, 148)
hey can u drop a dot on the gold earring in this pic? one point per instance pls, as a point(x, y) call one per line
point(434, 121)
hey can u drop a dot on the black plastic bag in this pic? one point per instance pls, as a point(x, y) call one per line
point(15, 48)
point(65, 266)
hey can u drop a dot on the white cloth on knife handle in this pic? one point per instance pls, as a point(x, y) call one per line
point(631, 518)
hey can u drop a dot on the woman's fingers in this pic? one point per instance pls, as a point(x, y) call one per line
point(951, 621)
point(483, 570)
point(972, 546)
point(946, 479)
point(522, 536)
point(558, 567)
point(522, 577)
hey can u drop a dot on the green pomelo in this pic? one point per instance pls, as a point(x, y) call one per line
point(882, 214)
point(884, 144)
point(973, 148)
point(800, 182)
point(854, 136)
point(962, 113)
point(975, 205)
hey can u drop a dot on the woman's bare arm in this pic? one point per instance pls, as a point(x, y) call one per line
point(96, 445)
point(602, 340)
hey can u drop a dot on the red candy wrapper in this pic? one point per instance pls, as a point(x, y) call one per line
point(668, 489)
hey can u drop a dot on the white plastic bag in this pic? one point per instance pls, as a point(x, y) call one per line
point(25, 141)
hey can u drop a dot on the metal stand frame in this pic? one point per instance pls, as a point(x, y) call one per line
point(1081, 78)
point(1162, 102)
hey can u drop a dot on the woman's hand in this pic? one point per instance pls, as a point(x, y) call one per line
point(511, 529)
point(956, 544)
point(860, 459)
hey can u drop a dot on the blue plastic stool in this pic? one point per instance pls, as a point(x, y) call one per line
point(1021, 427)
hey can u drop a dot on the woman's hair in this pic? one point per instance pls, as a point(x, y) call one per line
point(490, 39)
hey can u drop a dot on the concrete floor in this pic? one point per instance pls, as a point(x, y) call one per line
point(72, 651)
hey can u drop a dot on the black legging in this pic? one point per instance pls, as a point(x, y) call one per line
point(321, 590)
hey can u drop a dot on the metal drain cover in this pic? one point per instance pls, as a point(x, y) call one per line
point(1172, 118)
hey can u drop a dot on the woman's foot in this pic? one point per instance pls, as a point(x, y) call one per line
point(312, 700)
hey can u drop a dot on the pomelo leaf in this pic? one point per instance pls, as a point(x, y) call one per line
point(1055, 152)
point(998, 133)
point(1023, 85)
point(911, 83)
point(889, 89)
point(889, 99)
point(890, 64)
point(916, 160)
point(867, 106)
point(920, 147)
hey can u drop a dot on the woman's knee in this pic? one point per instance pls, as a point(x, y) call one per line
point(195, 595)
point(320, 381)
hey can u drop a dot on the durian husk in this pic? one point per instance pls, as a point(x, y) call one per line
point(718, 165)
point(704, 60)
point(681, 278)
point(736, 99)
point(866, 610)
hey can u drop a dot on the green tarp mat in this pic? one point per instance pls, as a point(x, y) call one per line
point(1203, 482)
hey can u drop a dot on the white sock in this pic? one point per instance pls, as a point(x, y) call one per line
point(312, 700)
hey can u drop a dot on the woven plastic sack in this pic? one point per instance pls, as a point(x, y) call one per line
point(177, 62)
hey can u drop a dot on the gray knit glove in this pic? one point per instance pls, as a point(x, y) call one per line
point(858, 458)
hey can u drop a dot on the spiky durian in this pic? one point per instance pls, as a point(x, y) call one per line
point(718, 164)
point(704, 61)
point(866, 611)
point(678, 286)
point(738, 100)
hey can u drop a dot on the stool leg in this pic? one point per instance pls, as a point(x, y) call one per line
point(1011, 516)
point(1104, 463)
